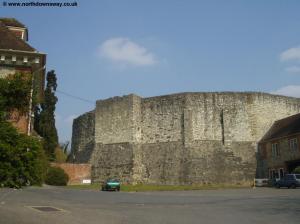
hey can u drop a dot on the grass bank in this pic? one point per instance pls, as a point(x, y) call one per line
point(142, 187)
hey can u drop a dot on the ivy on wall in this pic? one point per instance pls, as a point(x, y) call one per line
point(22, 158)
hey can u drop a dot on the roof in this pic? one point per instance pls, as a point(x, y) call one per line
point(12, 22)
point(284, 127)
point(9, 41)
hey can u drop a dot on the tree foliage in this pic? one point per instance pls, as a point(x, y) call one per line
point(297, 170)
point(56, 176)
point(22, 159)
point(45, 117)
point(14, 93)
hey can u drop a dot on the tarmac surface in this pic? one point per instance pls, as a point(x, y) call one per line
point(260, 205)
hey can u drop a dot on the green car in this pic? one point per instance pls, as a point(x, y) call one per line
point(111, 185)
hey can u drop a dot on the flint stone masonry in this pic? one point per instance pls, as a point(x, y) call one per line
point(178, 139)
point(83, 137)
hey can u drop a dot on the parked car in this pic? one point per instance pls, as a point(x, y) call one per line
point(261, 182)
point(289, 181)
point(111, 185)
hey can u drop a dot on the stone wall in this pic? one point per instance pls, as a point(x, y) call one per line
point(117, 120)
point(83, 138)
point(180, 138)
point(162, 119)
point(112, 160)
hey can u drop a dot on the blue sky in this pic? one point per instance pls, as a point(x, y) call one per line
point(101, 49)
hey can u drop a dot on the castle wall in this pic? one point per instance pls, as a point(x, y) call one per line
point(183, 138)
point(112, 160)
point(83, 138)
point(117, 120)
point(162, 119)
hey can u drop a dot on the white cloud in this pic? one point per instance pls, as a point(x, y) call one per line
point(291, 90)
point(290, 54)
point(293, 69)
point(122, 50)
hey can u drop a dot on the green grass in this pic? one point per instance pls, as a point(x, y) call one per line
point(143, 187)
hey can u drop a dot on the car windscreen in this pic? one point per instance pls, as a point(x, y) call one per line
point(113, 181)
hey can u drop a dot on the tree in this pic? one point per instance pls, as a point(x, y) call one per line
point(45, 118)
point(297, 170)
point(14, 93)
point(22, 159)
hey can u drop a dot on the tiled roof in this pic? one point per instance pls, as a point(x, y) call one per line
point(12, 22)
point(283, 127)
point(8, 40)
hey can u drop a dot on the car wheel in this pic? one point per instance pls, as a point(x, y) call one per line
point(293, 186)
point(277, 185)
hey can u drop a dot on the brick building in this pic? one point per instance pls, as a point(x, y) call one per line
point(17, 56)
point(278, 150)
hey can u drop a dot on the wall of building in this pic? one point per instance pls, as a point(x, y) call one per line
point(5, 71)
point(286, 154)
point(19, 121)
point(183, 138)
point(117, 120)
point(76, 172)
point(83, 138)
point(112, 160)
point(162, 118)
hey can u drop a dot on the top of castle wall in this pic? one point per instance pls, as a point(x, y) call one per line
point(183, 94)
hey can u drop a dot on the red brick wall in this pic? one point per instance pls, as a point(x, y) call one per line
point(76, 172)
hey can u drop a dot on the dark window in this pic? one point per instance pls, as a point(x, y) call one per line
point(293, 144)
point(275, 150)
point(290, 177)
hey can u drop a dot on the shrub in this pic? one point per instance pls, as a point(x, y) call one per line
point(60, 156)
point(297, 170)
point(56, 176)
point(22, 159)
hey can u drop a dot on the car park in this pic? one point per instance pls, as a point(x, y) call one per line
point(111, 184)
point(289, 181)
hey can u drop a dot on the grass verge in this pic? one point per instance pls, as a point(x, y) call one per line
point(142, 187)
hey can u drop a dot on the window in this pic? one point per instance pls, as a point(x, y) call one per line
point(273, 174)
point(289, 177)
point(14, 58)
point(293, 144)
point(275, 150)
point(281, 173)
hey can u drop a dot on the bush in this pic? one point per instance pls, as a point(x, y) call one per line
point(56, 176)
point(297, 170)
point(60, 156)
point(22, 158)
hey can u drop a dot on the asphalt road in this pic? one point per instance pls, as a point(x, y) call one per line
point(260, 205)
